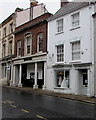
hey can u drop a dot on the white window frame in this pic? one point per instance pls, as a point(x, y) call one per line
point(75, 21)
point(26, 44)
point(60, 53)
point(40, 41)
point(59, 25)
point(19, 48)
point(76, 50)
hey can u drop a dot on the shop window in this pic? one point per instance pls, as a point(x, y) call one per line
point(60, 77)
point(67, 79)
point(63, 79)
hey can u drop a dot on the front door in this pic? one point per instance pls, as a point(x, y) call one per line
point(84, 82)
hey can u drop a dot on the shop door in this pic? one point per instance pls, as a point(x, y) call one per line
point(84, 82)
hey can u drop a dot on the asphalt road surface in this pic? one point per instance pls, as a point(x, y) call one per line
point(20, 104)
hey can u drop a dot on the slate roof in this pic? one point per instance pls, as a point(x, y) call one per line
point(68, 8)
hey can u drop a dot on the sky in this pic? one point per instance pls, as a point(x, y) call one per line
point(7, 7)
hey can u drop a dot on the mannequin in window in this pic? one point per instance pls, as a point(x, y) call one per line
point(59, 81)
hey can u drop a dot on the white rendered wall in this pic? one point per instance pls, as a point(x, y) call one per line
point(22, 17)
point(84, 34)
point(38, 10)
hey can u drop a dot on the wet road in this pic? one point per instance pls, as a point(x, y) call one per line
point(19, 104)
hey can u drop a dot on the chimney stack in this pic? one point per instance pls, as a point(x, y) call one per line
point(64, 2)
point(33, 3)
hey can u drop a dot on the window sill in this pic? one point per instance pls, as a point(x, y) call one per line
point(75, 28)
point(61, 88)
point(27, 54)
point(59, 33)
point(58, 63)
point(39, 52)
point(19, 56)
point(75, 61)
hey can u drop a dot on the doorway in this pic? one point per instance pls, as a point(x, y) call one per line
point(84, 81)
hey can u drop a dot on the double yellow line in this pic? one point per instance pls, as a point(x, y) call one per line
point(26, 111)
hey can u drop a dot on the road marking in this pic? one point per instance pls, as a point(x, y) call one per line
point(25, 110)
point(13, 106)
point(3, 102)
point(41, 117)
point(9, 102)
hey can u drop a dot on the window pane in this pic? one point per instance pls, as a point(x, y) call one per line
point(60, 53)
point(40, 42)
point(28, 39)
point(75, 20)
point(19, 48)
point(60, 25)
point(10, 48)
point(76, 50)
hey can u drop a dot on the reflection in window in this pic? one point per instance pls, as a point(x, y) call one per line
point(39, 42)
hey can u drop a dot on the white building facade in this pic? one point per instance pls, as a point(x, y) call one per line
point(70, 59)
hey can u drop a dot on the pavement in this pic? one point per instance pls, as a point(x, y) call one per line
point(80, 98)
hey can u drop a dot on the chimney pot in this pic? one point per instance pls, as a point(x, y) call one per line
point(33, 3)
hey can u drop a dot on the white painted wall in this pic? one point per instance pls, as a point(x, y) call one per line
point(24, 16)
point(83, 33)
point(95, 55)
point(38, 10)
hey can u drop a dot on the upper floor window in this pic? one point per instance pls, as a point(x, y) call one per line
point(10, 47)
point(4, 32)
point(39, 42)
point(11, 28)
point(75, 20)
point(60, 25)
point(60, 53)
point(4, 50)
point(28, 44)
point(76, 50)
point(19, 48)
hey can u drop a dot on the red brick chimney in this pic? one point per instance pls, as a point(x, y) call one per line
point(33, 3)
point(64, 2)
